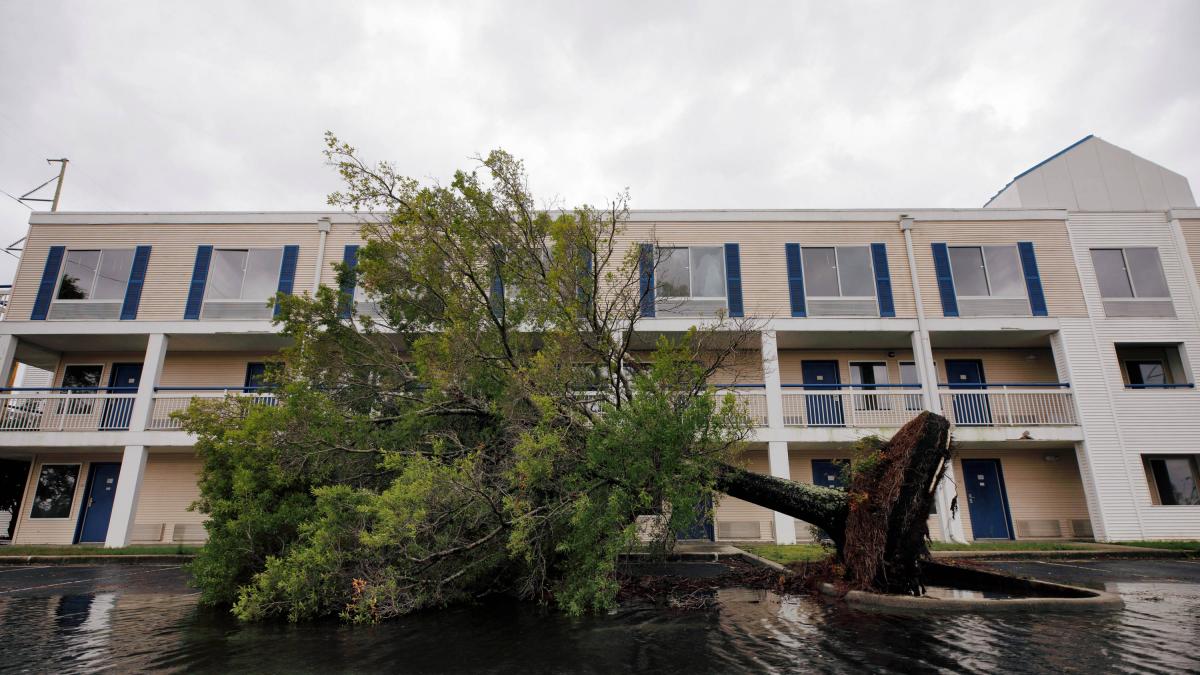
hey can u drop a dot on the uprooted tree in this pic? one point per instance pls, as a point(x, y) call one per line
point(474, 410)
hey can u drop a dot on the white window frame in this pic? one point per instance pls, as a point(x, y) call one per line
point(84, 406)
point(1129, 277)
point(913, 399)
point(74, 494)
point(987, 274)
point(691, 271)
point(62, 273)
point(241, 286)
point(860, 388)
point(837, 261)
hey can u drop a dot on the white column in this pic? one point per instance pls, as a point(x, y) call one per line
point(777, 451)
point(129, 484)
point(133, 461)
point(8, 352)
point(323, 225)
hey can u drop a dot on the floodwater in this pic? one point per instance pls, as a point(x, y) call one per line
point(140, 617)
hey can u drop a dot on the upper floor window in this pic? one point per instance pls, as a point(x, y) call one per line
point(692, 272)
point(987, 272)
point(1152, 366)
point(250, 275)
point(838, 271)
point(1130, 273)
point(95, 275)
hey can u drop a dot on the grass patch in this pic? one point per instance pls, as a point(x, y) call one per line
point(790, 553)
point(172, 549)
point(1009, 546)
point(1189, 546)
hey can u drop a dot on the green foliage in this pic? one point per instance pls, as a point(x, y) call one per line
point(785, 554)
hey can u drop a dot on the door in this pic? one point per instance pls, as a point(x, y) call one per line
point(823, 409)
point(101, 490)
point(123, 381)
point(969, 409)
point(986, 499)
point(701, 527)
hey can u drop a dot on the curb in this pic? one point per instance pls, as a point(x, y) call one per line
point(94, 559)
point(1077, 554)
point(1094, 601)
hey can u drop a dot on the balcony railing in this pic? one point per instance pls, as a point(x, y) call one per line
point(60, 409)
point(1009, 405)
point(168, 400)
point(753, 397)
point(850, 405)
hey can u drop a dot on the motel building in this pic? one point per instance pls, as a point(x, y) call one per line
point(1056, 327)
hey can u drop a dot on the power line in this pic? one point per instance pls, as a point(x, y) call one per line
point(16, 200)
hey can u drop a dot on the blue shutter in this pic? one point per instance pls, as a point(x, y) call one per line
point(45, 294)
point(646, 279)
point(733, 279)
point(350, 280)
point(883, 280)
point(199, 278)
point(795, 274)
point(137, 278)
point(287, 271)
point(1033, 281)
point(941, 265)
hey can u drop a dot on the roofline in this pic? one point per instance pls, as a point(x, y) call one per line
point(1036, 166)
point(640, 215)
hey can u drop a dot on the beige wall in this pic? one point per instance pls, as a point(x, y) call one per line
point(56, 530)
point(999, 365)
point(180, 369)
point(1056, 263)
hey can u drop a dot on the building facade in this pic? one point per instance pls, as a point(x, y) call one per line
point(1054, 327)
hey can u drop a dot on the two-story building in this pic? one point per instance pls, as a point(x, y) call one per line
point(1053, 327)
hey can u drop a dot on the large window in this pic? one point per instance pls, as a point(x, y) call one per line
point(1173, 480)
point(838, 271)
point(95, 275)
point(695, 272)
point(55, 491)
point(867, 374)
point(987, 271)
point(250, 275)
point(1130, 273)
point(86, 377)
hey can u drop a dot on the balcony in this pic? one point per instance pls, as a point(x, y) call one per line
point(1009, 405)
point(168, 400)
point(57, 409)
point(850, 405)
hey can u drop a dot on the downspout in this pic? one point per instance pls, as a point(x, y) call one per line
point(323, 225)
point(951, 526)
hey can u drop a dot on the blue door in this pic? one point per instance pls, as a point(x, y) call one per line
point(124, 380)
point(829, 473)
point(101, 489)
point(986, 499)
point(969, 409)
point(823, 410)
point(701, 527)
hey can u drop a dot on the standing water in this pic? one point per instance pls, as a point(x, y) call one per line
point(135, 617)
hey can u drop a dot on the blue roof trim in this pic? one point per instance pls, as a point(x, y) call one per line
point(1038, 165)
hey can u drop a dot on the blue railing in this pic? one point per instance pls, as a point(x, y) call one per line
point(1187, 385)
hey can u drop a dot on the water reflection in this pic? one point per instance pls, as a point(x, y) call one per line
point(156, 625)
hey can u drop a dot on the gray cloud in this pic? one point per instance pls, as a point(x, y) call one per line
point(217, 105)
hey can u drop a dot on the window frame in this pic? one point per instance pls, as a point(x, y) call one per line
point(837, 262)
point(1172, 356)
point(74, 490)
point(691, 271)
point(912, 401)
point(867, 402)
point(80, 406)
point(1135, 297)
point(62, 272)
point(987, 274)
point(242, 285)
point(1152, 481)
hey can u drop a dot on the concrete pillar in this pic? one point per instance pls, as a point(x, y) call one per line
point(8, 352)
point(949, 520)
point(152, 364)
point(777, 451)
point(129, 484)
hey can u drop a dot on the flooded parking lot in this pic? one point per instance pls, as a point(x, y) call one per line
point(141, 617)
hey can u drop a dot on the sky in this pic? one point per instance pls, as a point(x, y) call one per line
point(177, 106)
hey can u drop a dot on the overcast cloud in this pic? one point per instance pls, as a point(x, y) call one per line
point(221, 106)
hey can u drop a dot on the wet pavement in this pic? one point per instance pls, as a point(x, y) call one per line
point(145, 617)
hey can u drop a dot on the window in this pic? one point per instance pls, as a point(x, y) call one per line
point(987, 271)
point(255, 376)
point(55, 491)
point(250, 275)
point(85, 377)
point(867, 374)
point(910, 375)
point(696, 272)
point(95, 275)
point(1129, 273)
point(838, 271)
point(1173, 480)
point(1152, 366)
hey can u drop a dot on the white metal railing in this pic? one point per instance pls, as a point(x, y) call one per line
point(850, 408)
point(753, 401)
point(167, 402)
point(65, 410)
point(1008, 406)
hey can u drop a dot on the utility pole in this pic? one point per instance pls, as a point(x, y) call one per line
point(62, 172)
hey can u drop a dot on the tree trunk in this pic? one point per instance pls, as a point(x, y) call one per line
point(880, 525)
